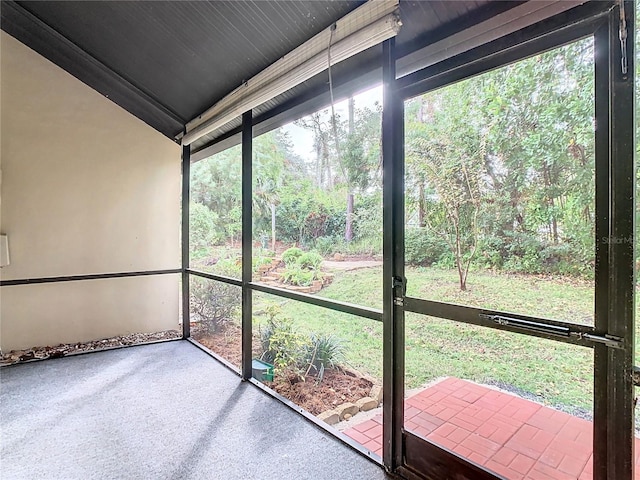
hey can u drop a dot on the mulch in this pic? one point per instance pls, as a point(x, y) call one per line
point(64, 349)
point(337, 386)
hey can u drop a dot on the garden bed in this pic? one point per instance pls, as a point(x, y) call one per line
point(338, 386)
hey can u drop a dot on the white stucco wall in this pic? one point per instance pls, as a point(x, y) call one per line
point(86, 188)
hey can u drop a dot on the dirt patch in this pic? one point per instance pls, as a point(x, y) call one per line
point(226, 342)
point(348, 265)
point(337, 386)
point(363, 257)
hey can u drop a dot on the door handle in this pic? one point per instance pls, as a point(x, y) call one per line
point(557, 330)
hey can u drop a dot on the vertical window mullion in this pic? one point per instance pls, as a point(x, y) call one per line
point(247, 235)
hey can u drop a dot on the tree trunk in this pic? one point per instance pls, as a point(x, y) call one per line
point(554, 226)
point(351, 109)
point(421, 219)
point(273, 227)
point(348, 233)
point(463, 280)
point(459, 266)
point(319, 166)
point(326, 161)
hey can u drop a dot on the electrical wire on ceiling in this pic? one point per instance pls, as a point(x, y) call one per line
point(369, 24)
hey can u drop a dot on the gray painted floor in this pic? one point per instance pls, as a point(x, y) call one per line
point(164, 411)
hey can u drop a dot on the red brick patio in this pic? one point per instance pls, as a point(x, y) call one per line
point(514, 437)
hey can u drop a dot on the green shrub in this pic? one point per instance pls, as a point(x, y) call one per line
point(259, 261)
point(491, 252)
point(325, 245)
point(423, 247)
point(324, 352)
point(367, 222)
point(293, 352)
point(295, 274)
point(202, 231)
point(281, 344)
point(524, 252)
point(213, 304)
point(305, 214)
point(291, 255)
point(301, 268)
point(310, 260)
point(229, 266)
point(567, 259)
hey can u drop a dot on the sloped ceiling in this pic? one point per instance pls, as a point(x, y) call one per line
point(168, 61)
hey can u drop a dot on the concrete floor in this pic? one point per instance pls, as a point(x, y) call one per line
point(163, 411)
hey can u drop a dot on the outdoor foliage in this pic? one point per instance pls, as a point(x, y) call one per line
point(281, 344)
point(291, 255)
point(424, 248)
point(499, 175)
point(202, 227)
point(293, 352)
point(213, 304)
point(260, 258)
point(296, 275)
point(324, 352)
point(216, 184)
point(501, 168)
point(302, 268)
point(310, 260)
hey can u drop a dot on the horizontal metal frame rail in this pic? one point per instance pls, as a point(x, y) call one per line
point(566, 28)
point(426, 459)
point(216, 277)
point(335, 305)
point(92, 276)
point(575, 334)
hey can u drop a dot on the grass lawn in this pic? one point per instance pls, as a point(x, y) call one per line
point(551, 372)
point(558, 298)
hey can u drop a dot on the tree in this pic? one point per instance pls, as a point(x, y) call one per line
point(347, 153)
point(318, 124)
point(541, 140)
point(216, 182)
point(202, 227)
point(361, 155)
point(445, 151)
point(522, 140)
point(269, 164)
